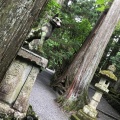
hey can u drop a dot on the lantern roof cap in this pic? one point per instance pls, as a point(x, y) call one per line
point(109, 73)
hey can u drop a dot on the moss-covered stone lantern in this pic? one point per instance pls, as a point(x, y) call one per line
point(89, 111)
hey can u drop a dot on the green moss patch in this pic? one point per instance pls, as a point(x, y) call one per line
point(6, 117)
point(108, 74)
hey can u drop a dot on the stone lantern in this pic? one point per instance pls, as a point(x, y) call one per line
point(16, 86)
point(89, 111)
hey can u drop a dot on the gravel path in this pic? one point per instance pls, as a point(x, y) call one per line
point(42, 99)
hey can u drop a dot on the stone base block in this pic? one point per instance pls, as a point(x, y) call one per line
point(4, 108)
point(7, 110)
point(81, 116)
point(84, 116)
point(90, 111)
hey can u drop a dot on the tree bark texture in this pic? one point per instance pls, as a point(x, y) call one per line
point(95, 51)
point(70, 73)
point(88, 58)
point(16, 18)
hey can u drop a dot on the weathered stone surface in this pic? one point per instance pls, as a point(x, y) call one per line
point(16, 18)
point(17, 84)
point(4, 108)
point(14, 80)
point(7, 110)
point(82, 116)
point(19, 116)
point(90, 111)
point(21, 103)
point(102, 86)
point(33, 57)
point(109, 73)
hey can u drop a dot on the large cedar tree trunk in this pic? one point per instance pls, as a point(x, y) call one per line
point(16, 18)
point(86, 61)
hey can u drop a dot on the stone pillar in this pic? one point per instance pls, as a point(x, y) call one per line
point(21, 104)
point(13, 81)
point(17, 84)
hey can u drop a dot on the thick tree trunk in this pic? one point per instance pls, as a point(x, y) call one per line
point(16, 17)
point(70, 73)
point(85, 67)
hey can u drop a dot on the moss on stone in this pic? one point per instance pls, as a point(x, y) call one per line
point(6, 117)
point(82, 116)
point(108, 74)
point(31, 114)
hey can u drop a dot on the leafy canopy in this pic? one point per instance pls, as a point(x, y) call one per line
point(67, 40)
point(103, 4)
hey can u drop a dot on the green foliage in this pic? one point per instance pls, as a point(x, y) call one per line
point(117, 28)
point(53, 7)
point(31, 114)
point(6, 117)
point(85, 9)
point(102, 4)
point(66, 42)
point(111, 49)
point(116, 60)
point(48, 12)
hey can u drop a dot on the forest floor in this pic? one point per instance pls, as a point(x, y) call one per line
point(43, 101)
